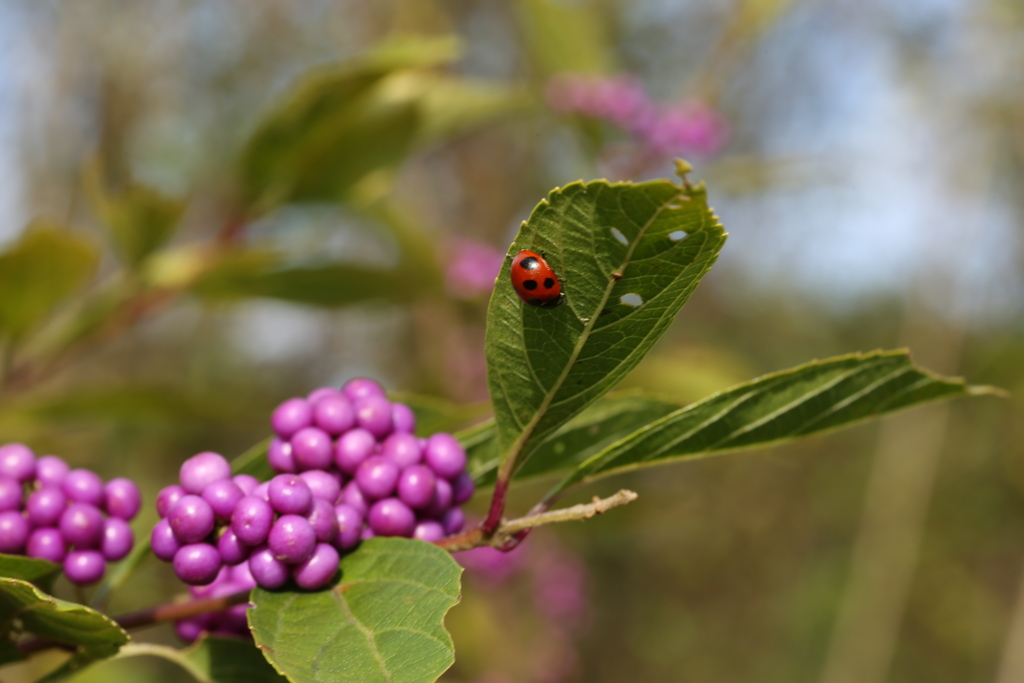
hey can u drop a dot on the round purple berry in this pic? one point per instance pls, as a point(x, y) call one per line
point(292, 539)
point(83, 486)
point(14, 530)
point(366, 533)
point(462, 488)
point(416, 486)
point(353, 497)
point(167, 498)
point(46, 544)
point(391, 517)
point(83, 567)
point(121, 498)
point(350, 525)
point(189, 630)
point(402, 449)
point(324, 485)
point(403, 418)
point(197, 564)
point(17, 461)
point(442, 500)
point(262, 491)
point(312, 449)
point(45, 506)
point(453, 521)
point(323, 521)
point(360, 387)
point(291, 416)
point(289, 494)
point(428, 530)
point(222, 497)
point(445, 455)
point(51, 470)
point(373, 414)
point(334, 414)
point(322, 392)
point(231, 549)
point(246, 482)
point(203, 469)
point(192, 519)
point(10, 494)
point(163, 542)
point(352, 449)
point(279, 455)
point(252, 520)
point(268, 571)
point(319, 569)
point(81, 525)
point(377, 477)
point(118, 539)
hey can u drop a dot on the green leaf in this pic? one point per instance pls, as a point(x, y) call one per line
point(630, 255)
point(452, 106)
point(565, 37)
point(39, 572)
point(39, 272)
point(96, 635)
point(381, 621)
point(812, 398)
point(254, 461)
point(138, 219)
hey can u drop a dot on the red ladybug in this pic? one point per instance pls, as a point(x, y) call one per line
point(535, 282)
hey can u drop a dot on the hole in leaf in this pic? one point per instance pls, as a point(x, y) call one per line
point(677, 235)
point(617, 234)
point(632, 299)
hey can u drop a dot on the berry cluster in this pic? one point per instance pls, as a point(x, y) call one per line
point(229, 622)
point(51, 512)
point(349, 467)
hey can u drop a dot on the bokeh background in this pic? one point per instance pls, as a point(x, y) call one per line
point(867, 159)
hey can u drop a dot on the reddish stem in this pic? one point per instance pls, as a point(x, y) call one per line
point(493, 520)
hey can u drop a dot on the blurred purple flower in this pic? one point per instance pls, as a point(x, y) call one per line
point(560, 581)
point(691, 128)
point(490, 564)
point(470, 268)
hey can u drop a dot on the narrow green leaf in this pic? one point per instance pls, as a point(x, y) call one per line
point(630, 255)
point(40, 572)
point(565, 36)
point(96, 635)
point(39, 272)
point(382, 620)
point(452, 106)
point(435, 414)
point(138, 219)
point(254, 461)
point(812, 398)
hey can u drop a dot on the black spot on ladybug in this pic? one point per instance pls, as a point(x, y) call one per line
point(530, 284)
point(529, 263)
point(548, 283)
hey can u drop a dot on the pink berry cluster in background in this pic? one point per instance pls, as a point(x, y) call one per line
point(349, 467)
point(229, 622)
point(51, 512)
point(690, 128)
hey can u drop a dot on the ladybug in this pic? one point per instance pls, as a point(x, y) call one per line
point(535, 282)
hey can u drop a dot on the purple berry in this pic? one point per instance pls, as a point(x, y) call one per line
point(268, 571)
point(373, 414)
point(219, 586)
point(377, 477)
point(289, 494)
point(323, 521)
point(360, 387)
point(403, 418)
point(322, 392)
point(46, 544)
point(167, 498)
point(292, 539)
point(291, 416)
point(233, 621)
point(83, 567)
point(197, 564)
point(352, 449)
point(246, 482)
point(416, 486)
point(231, 549)
point(462, 488)
point(83, 486)
point(262, 491)
point(81, 525)
point(453, 520)
point(122, 498)
point(241, 575)
point(163, 542)
point(203, 469)
point(222, 496)
point(442, 500)
point(192, 519)
point(324, 485)
point(445, 455)
point(366, 533)
point(428, 530)
point(279, 455)
point(10, 494)
point(17, 461)
point(350, 525)
point(118, 539)
point(353, 497)
point(252, 520)
point(189, 630)
point(45, 506)
point(318, 570)
point(312, 449)
point(51, 470)
point(334, 414)
point(14, 530)
point(402, 449)
point(391, 517)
